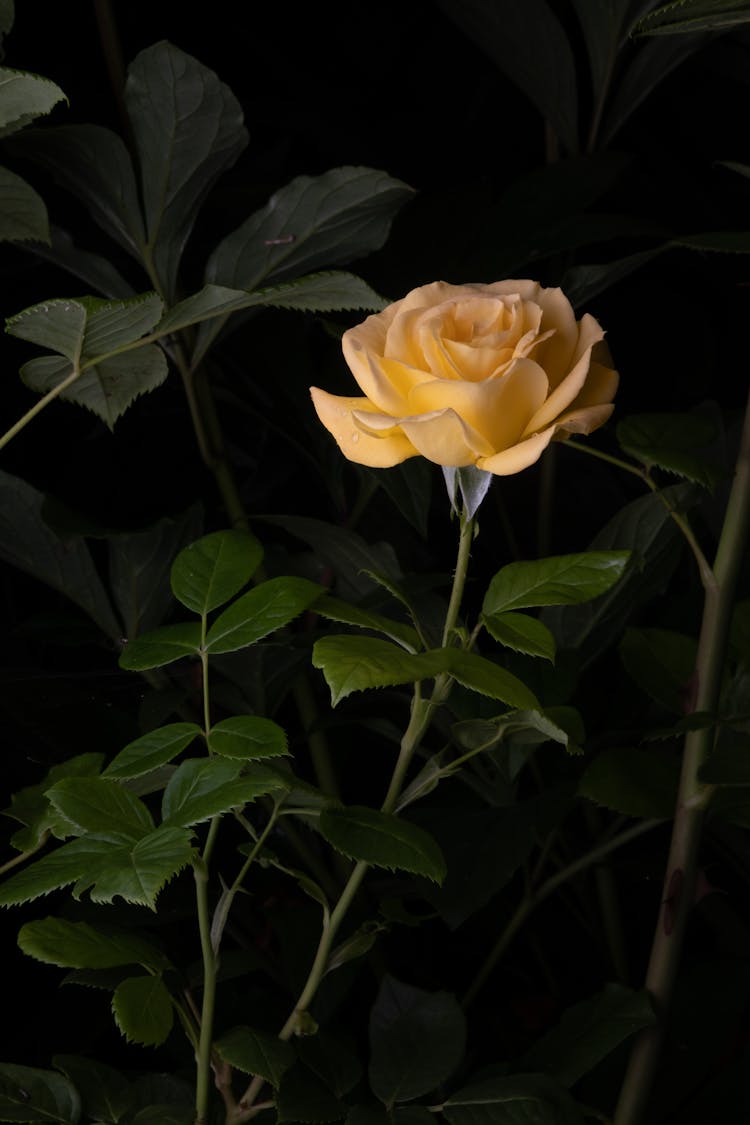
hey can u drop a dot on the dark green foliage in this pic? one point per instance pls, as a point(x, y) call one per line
point(321, 833)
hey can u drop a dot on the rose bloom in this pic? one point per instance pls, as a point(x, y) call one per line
point(483, 375)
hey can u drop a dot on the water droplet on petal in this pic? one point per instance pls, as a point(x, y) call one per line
point(355, 437)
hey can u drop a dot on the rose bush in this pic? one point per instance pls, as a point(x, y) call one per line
point(483, 375)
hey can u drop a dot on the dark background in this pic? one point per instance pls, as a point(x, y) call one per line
point(395, 86)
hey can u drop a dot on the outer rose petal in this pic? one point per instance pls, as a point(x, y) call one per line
point(387, 383)
point(600, 386)
point(518, 456)
point(445, 438)
point(584, 420)
point(335, 412)
point(565, 393)
point(556, 355)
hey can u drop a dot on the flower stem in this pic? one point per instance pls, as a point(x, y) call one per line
point(419, 720)
point(39, 406)
point(203, 1077)
point(466, 535)
point(693, 795)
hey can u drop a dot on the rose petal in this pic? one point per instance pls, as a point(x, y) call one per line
point(517, 457)
point(474, 363)
point(556, 356)
point(445, 438)
point(600, 386)
point(387, 383)
point(459, 337)
point(590, 333)
point(585, 420)
point(499, 409)
point(526, 290)
point(563, 395)
point(336, 414)
point(402, 339)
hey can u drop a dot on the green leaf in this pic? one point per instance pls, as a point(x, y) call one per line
point(483, 849)
point(320, 292)
point(662, 662)
point(561, 580)
point(95, 271)
point(680, 17)
point(351, 663)
point(479, 674)
point(336, 610)
point(356, 945)
point(716, 241)
point(58, 325)
point(303, 1098)
point(23, 215)
point(256, 1052)
point(409, 486)
point(139, 567)
point(521, 633)
point(93, 163)
point(83, 331)
point(604, 27)
point(590, 1031)
point(161, 646)
point(247, 737)
point(672, 442)
point(33, 1095)
point(333, 1058)
point(135, 871)
point(632, 781)
point(383, 840)
point(581, 284)
point(313, 221)
point(188, 130)
point(204, 787)
point(103, 807)
point(152, 750)
point(23, 97)
point(32, 807)
point(261, 611)
point(104, 1092)
point(645, 528)
point(27, 543)
point(161, 1099)
point(541, 65)
point(77, 945)
point(351, 557)
point(417, 1040)
point(142, 1008)
point(519, 1099)
point(643, 70)
point(88, 327)
point(108, 388)
point(138, 873)
point(212, 570)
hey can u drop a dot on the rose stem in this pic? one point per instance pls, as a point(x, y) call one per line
point(421, 715)
point(693, 795)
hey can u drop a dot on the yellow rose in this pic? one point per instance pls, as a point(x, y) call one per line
point(481, 375)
